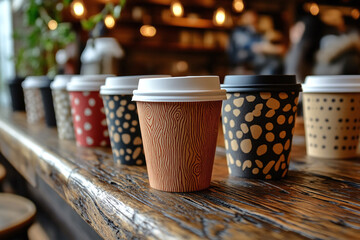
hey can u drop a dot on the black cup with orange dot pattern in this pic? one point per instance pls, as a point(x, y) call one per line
point(258, 123)
point(124, 130)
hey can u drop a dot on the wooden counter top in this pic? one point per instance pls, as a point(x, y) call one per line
point(320, 199)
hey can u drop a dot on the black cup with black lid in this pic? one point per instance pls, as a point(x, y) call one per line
point(258, 121)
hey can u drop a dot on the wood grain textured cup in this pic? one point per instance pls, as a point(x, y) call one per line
point(179, 142)
point(332, 116)
point(179, 120)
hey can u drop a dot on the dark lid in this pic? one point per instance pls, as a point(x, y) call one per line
point(251, 83)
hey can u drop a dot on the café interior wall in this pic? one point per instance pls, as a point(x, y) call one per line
point(7, 68)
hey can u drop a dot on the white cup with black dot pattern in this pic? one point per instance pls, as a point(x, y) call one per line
point(122, 118)
point(332, 115)
point(258, 124)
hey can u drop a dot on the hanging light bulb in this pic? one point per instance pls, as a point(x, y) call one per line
point(78, 8)
point(148, 31)
point(52, 24)
point(355, 14)
point(238, 5)
point(109, 21)
point(314, 9)
point(177, 9)
point(219, 16)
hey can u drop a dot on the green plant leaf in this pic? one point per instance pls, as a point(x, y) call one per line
point(87, 24)
point(97, 17)
point(67, 2)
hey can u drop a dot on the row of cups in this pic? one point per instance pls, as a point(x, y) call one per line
point(172, 122)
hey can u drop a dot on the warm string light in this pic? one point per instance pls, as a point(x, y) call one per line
point(219, 16)
point(177, 9)
point(77, 8)
point(148, 31)
point(109, 21)
point(238, 5)
point(52, 24)
point(314, 9)
point(355, 14)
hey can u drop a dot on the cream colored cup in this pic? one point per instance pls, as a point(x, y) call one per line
point(332, 116)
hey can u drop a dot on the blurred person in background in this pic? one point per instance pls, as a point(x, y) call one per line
point(241, 42)
point(339, 51)
point(270, 51)
point(255, 47)
point(304, 37)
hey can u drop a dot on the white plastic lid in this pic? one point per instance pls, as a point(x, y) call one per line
point(87, 82)
point(332, 84)
point(124, 85)
point(179, 89)
point(36, 82)
point(61, 81)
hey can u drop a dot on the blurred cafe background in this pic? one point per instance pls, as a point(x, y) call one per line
point(178, 37)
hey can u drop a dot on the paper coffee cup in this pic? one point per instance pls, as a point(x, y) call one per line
point(332, 115)
point(88, 110)
point(36, 88)
point(258, 123)
point(16, 93)
point(62, 107)
point(33, 101)
point(179, 119)
point(122, 118)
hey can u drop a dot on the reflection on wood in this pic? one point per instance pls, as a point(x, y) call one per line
point(318, 200)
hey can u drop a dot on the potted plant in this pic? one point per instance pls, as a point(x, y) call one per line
point(41, 36)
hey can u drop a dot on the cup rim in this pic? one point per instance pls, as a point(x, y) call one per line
point(80, 83)
point(256, 83)
point(334, 84)
point(36, 82)
point(124, 85)
point(60, 81)
point(179, 89)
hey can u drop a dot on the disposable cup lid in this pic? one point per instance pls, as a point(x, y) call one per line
point(36, 82)
point(179, 89)
point(87, 82)
point(124, 85)
point(255, 83)
point(332, 84)
point(61, 81)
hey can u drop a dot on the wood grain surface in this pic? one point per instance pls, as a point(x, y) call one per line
point(179, 143)
point(320, 198)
